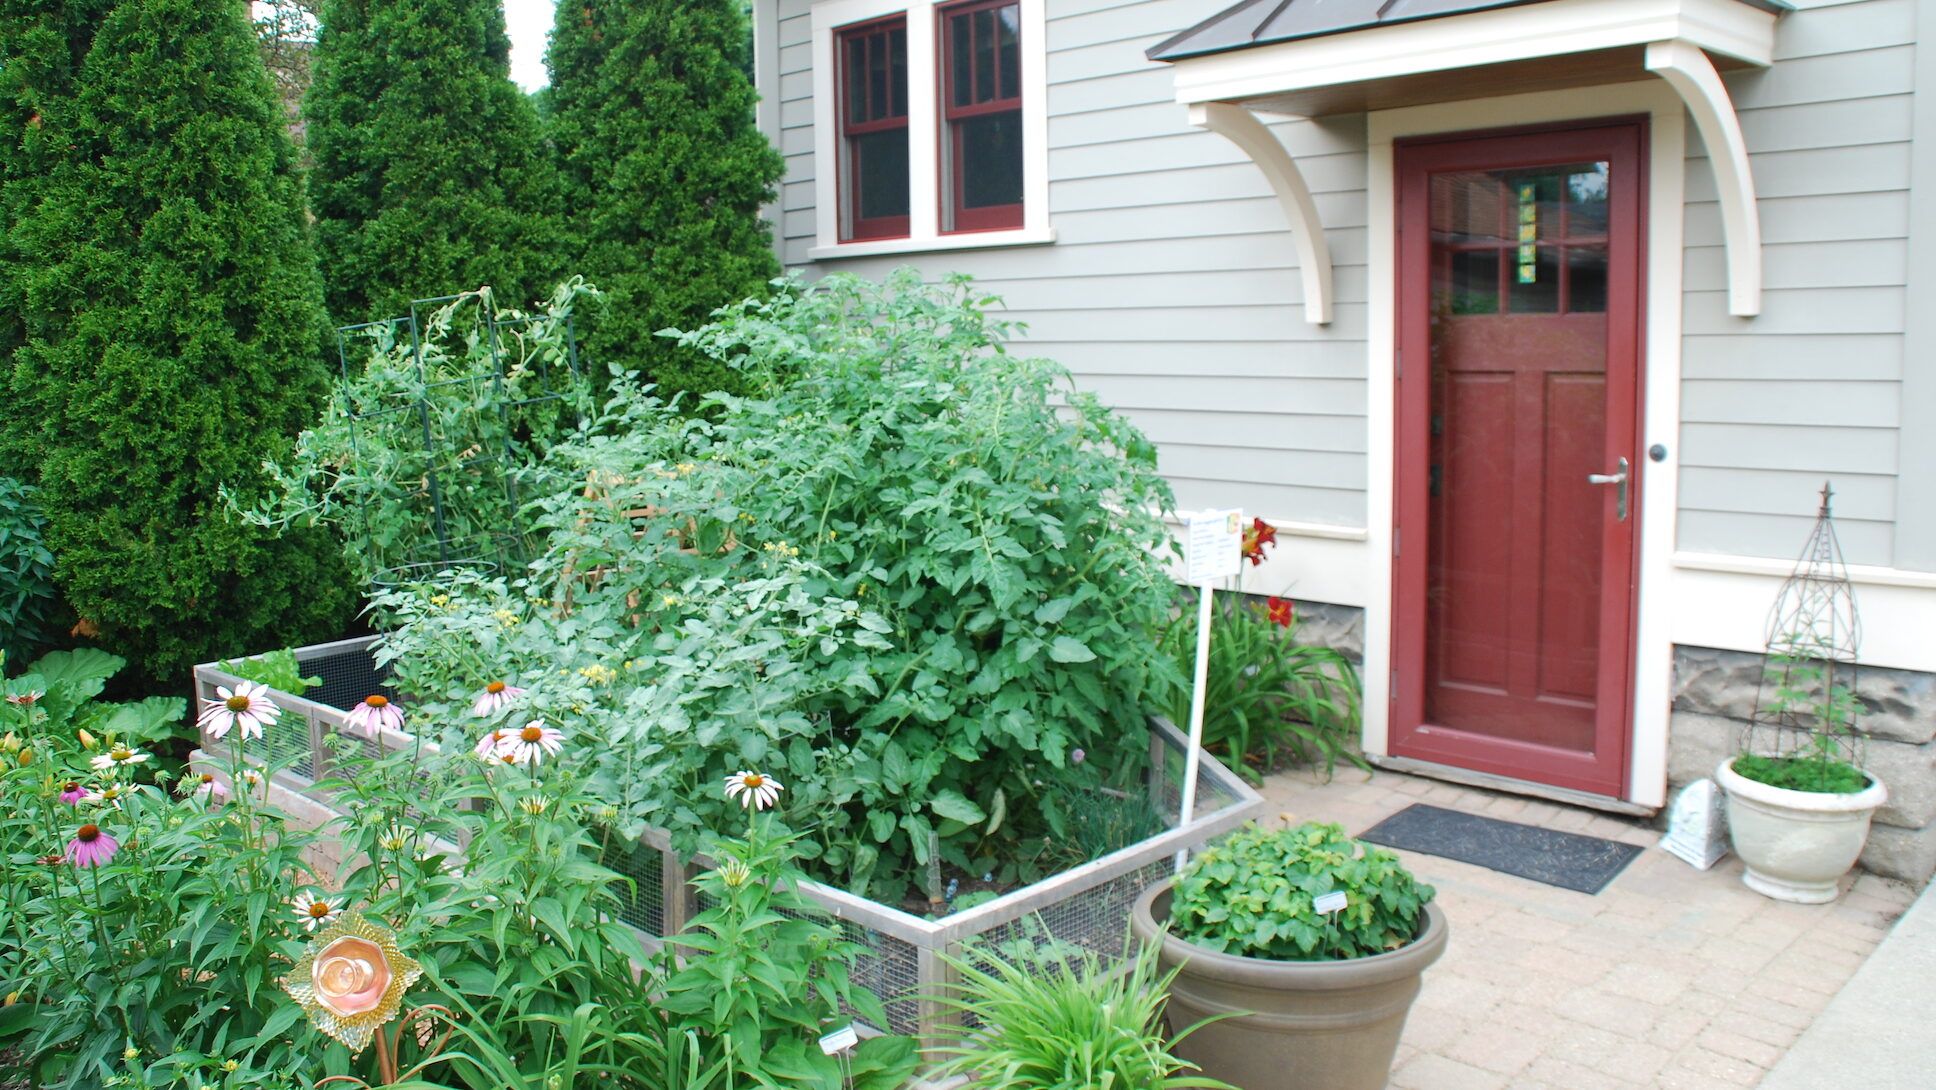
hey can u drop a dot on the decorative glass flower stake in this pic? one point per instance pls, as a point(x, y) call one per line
point(350, 980)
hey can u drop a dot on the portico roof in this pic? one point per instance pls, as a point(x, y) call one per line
point(1262, 22)
point(1310, 58)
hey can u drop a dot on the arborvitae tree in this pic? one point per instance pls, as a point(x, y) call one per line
point(431, 176)
point(652, 116)
point(43, 44)
point(174, 337)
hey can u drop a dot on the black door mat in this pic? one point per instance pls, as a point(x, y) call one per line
point(1567, 860)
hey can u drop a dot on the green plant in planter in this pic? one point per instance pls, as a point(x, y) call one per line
point(1070, 1022)
point(1254, 894)
point(1807, 691)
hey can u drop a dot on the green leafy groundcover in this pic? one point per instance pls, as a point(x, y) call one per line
point(1803, 773)
point(918, 578)
point(1254, 894)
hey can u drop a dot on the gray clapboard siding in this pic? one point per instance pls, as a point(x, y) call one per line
point(1809, 390)
point(1858, 263)
point(1779, 536)
point(1861, 356)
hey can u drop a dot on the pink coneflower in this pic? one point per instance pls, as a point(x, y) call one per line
point(533, 742)
point(494, 699)
point(753, 789)
point(247, 706)
point(117, 756)
point(376, 714)
point(491, 746)
point(314, 911)
point(27, 699)
point(72, 793)
point(204, 786)
point(91, 847)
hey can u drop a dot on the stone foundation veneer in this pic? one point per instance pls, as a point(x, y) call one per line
point(1714, 696)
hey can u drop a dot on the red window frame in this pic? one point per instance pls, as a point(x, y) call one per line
point(1003, 98)
point(889, 116)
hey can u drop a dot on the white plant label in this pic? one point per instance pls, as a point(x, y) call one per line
point(839, 1040)
point(1331, 902)
point(1215, 547)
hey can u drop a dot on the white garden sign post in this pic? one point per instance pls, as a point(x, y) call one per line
point(1214, 551)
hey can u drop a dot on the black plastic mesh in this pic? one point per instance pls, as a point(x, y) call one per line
point(348, 677)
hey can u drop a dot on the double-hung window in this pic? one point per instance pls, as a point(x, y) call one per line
point(874, 128)
point(930, 125)
point(981, 80)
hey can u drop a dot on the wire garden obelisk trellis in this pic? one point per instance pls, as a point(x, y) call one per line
point(1806, 706)
point(467, 390)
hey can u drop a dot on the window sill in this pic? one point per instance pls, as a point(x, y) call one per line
point(970, 240)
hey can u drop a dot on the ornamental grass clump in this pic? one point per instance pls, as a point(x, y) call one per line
point(1258, 894)
point(1066, 1020)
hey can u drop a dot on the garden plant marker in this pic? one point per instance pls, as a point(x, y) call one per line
point(1216, 541)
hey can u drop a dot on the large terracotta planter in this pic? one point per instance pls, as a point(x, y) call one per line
point(1303, 1025)
point(1797, 844)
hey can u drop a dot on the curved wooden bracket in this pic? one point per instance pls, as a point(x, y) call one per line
point(1241, 127)
point(1691, 74)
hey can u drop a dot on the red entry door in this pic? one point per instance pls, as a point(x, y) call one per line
point(1518, 459)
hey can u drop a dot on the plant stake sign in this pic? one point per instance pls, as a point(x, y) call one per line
point(1214, 551)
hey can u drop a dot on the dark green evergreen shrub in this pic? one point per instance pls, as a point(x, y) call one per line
point(28, 601)
point(42, 46)
point(430, 174)
point(173, 339)
point(652, 115)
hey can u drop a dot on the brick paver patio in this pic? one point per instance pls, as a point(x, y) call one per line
point(1669, 978)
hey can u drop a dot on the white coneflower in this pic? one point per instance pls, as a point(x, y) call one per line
point(375, 714)
point(534, 804)
point(247, 706)
point(533, 742)
point(394, 839)
point(753, 789)
point(495, 698)
point(314, 910)
point(117, 756)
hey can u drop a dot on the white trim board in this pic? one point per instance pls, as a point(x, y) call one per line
point(1493, 36)
point(1660, 410)
point(924, 132)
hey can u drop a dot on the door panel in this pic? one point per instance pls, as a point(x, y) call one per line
point(1519, 265)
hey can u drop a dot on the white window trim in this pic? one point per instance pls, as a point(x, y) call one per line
point(924, 132)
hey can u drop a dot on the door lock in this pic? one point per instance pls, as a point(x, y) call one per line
point(1618, 480)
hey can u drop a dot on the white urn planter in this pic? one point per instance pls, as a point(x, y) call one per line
point(1797, 844)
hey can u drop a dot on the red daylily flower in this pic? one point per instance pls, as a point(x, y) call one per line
point(1259, 536)
point(1281, 611)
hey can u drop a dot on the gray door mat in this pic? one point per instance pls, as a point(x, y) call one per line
point(1567, 860)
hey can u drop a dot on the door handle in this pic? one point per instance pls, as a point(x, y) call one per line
point(1619, 480)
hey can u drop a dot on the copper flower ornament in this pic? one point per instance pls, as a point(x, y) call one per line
point(351, 979)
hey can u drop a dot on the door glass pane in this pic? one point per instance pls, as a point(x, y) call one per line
point(1533, 287)
point(1473, 287)
point(881, 171)
point(991, 153)
point(1586, 279)
point(1468, 207)
point(1586, 201)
